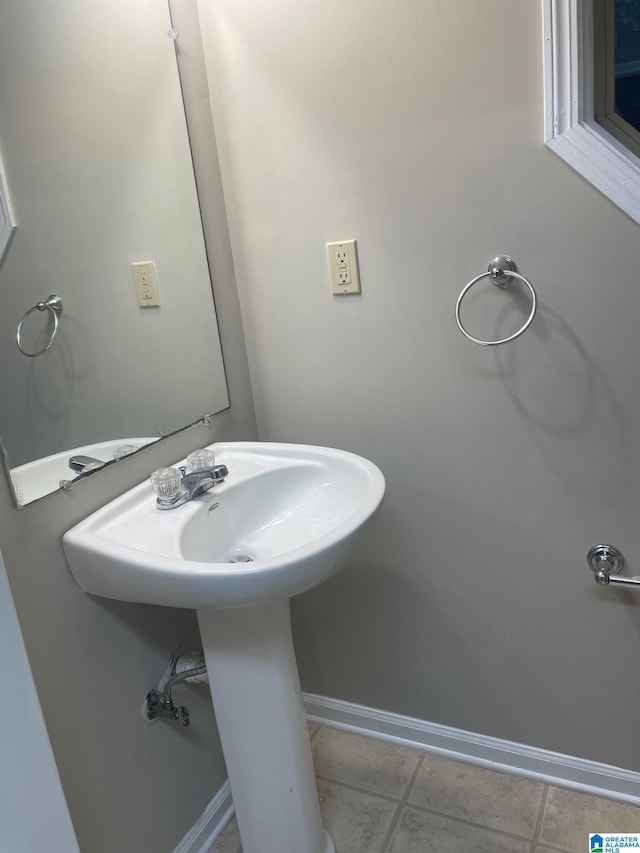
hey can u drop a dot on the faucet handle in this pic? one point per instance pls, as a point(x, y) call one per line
point(201, 460)
point(166, 483)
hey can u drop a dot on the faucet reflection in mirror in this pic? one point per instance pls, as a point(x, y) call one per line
point(97, 160)
point(35, 479)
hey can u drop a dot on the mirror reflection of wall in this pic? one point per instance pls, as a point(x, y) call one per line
point(98, 167)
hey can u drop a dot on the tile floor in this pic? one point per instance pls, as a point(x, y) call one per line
point(380, 798)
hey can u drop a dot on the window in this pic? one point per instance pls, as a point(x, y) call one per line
point(617, 69)
point(592, 93)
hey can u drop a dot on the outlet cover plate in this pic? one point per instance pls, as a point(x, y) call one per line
point(344, 274)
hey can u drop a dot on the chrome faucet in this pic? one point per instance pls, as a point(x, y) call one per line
point(176, 486)
point(197, 483)
point(80, 463)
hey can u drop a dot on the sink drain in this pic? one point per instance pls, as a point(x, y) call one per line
point(241, 558)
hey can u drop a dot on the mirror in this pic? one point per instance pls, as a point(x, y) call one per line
point(99, 176)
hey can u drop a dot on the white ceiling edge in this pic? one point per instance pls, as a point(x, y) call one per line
point(569, 127)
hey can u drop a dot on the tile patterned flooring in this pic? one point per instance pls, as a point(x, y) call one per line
point(379, 798)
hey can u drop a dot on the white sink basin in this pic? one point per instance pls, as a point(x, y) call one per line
point(292, 509)
point(293, 512)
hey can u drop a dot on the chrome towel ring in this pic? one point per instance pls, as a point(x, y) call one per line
point(501, 271)
point(52, 304)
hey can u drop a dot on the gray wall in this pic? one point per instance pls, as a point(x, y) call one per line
point(130, 787)
point(416, 127)
point(28, 765)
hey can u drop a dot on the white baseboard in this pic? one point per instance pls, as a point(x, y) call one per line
point(552, 768)
point(210, 825)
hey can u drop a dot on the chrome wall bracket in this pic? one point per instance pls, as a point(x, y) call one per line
point(499, 269)
point(606, 562)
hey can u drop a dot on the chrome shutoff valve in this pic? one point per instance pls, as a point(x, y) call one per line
point(159, 705)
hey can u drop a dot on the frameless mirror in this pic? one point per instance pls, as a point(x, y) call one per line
point(98, 170)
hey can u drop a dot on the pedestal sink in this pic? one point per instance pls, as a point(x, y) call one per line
point(283, 521)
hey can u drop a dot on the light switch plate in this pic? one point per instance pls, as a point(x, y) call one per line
point(343, 267)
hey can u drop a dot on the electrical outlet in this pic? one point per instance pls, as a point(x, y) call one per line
point(343, 267)
point(144, 276)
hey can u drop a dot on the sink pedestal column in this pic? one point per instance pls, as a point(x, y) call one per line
point(257, 699)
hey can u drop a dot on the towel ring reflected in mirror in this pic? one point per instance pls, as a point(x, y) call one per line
point(52, 304)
